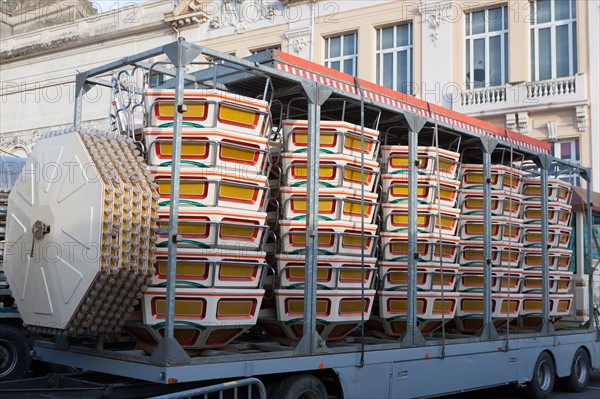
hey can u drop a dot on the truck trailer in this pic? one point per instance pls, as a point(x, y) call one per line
point(274, 228)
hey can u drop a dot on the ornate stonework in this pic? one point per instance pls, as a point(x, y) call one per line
point(581, 118)
point(551, 130)
point(434, 14)
point(186, 13)
point(511, 121)
point(241, 13)
point(523, 121)
point(19, 145)
point(298, 39)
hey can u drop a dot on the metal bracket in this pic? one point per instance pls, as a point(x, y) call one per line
point(169, 352)
point(487, 333)
point(546, 328)
point(414, 122)
point(316, 93)
point(310, 344)
point(487, 144)
point(543, 161)
point(412, 338)
point(62, 342)
point(81, 85)
point(585, 174)
point(184, 57)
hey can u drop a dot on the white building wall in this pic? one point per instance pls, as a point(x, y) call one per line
point(594, 96)
point(436, 52)
point(37, 89)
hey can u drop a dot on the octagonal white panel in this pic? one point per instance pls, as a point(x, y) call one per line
point(60, 187)
point(85, 274)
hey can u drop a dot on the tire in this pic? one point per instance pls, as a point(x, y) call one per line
point(304, 386)
point(15, 357)
point(578, 380)
point(542, 379)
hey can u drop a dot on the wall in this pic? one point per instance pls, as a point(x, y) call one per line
point(40, 64)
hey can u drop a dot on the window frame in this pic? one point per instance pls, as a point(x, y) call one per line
point(328, 60)
point(380, 52)
point(535, 28)
point(471, 37)
point(256, 50)
point(575, 151)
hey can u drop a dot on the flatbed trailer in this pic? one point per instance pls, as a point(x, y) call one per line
point(360, 366)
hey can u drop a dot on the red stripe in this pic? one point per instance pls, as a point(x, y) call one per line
point(382, 94)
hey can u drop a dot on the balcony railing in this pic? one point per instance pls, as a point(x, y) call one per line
point(554, 92)
point(554, 87)
point(486, 95)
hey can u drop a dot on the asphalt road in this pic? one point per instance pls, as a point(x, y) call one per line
point(592, 392)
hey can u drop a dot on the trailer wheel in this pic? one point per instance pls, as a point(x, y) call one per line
point(542, 380)
point(15, 358)
point(304, 386)
point(580, 373)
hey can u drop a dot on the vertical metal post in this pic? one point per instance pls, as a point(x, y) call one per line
point(488, 331)
point(589, 243)
point(169, 351)
point(545, 327)
point(362, 219)
point(316, 95)
point(412, 336)
point(81, 87)
point(174, 196)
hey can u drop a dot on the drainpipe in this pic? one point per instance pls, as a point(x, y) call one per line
point(313, 4)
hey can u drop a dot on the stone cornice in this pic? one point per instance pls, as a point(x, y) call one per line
point(63, 43)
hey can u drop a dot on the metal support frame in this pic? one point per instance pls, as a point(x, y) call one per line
point(488, 330)
point(316, 95)
point(546, 328)
point(590, 223)
point(81, 87)
point(169, 351)
point(412, 335)
point(585, 174)
point(204, 368)
point(220, 389)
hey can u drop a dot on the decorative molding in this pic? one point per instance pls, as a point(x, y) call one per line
point(435, 21)
point(434, 13)
point(523, 122)
point(28, 140)
point(298, 45)
point(511, 121)
point(187, 13)
point(581, 117)
point(240, 13)
point(551, 130)
point(305, 31)
point(20, 145)
point(298, 39)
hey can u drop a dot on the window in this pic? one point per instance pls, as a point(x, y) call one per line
point(553, 39)
point(156, 79)
point(569, 151)
point(341, 53)
point(259, 49)
point(595, 250)
point(394, 57)
point(487, 48)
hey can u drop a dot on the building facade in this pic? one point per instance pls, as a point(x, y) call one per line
point(529, 66)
